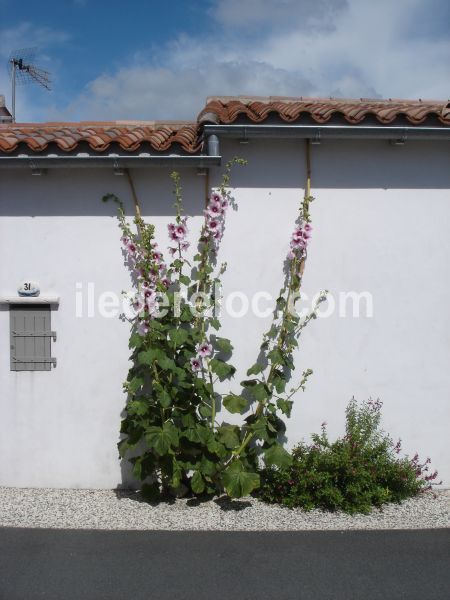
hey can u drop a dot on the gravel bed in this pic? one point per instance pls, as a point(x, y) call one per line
point(113, 509)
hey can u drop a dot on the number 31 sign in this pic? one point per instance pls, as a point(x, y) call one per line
point(28, 288)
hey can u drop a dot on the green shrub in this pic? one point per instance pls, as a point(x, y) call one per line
point(353, 474)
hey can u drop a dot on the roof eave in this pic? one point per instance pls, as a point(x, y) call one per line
point(108, 162)
point(319, 132)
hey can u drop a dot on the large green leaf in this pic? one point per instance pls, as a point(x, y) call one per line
point(125, 445)
point(207, 467)
point(135, 341)
point(135, 384)
point(222, 369)
point(237, 481)
point(161, 439)
point(285, 406)
point(166, 363)
point(229, 435)
point(137, 407)
point(215, 323)
point(262, 429)
point(194, 432)
point(216, 447)
point(164, 398)
point(255, 369)
point(177, 473)
point(277, 456)
point(259, 392)
point(224, 345)
point(178, 336)
point(148, 356)
point(279, 382)
point(197, 483)
point(184, 279)
point(276, 356)
point(235, 404)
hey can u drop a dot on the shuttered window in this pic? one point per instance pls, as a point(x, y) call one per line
point(31, 338)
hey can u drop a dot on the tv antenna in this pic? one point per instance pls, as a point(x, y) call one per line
point(22, 70)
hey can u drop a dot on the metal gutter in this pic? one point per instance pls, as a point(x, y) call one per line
point(111, 162)
point(316, 133)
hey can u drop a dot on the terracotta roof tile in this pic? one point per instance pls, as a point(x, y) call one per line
point(225, 110)
point(128, 135)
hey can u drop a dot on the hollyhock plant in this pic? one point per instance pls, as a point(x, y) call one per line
point(178, 363)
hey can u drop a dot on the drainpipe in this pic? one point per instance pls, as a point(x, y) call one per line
point(212, 144)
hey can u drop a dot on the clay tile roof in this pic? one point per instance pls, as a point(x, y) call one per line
point(226, 110)
point(129, 135)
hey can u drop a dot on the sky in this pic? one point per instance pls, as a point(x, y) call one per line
point(159, 60)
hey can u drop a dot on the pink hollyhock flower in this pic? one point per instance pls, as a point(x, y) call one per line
point(174, 236)
point(185, 245)
point(298, 243)
point(171, 227)
point(307, 227)
point(142, 328)
point(154, 245)
point(216, 197)
point(306, 235)
point(213, 225)
point(131, 247)
point(172, 251)
point(204, 349)
point(166, 282)
point(224, 204)
point(217, 235)
point(196, 364)
point(214, 209)
point(298, 234)
point(138, 303)
point(157, 257)
point(124, 240)
point(181, 231)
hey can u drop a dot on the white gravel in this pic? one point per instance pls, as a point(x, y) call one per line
point(113, 509)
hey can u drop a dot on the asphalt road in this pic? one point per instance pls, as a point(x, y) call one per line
point(135, 565)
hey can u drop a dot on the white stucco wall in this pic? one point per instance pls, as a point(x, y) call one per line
point(381, 219)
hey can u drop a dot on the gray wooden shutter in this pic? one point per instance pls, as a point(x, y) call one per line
point(31, 338)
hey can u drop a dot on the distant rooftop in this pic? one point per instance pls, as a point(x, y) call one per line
point(5, 115)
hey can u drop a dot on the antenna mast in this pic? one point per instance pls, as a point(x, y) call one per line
point(22, 71)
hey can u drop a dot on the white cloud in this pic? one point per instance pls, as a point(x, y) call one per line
point(177, 93)
point(274, 14)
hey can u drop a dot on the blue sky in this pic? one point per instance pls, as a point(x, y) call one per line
point(147, 59)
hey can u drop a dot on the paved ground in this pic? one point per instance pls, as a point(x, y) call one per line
point(160, 565)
